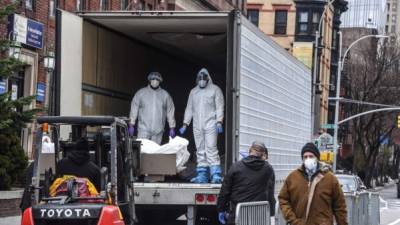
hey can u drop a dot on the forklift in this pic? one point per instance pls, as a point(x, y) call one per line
point(110, 148)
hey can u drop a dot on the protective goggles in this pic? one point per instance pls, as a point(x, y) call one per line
point(202, 76)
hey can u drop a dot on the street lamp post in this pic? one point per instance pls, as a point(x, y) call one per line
point(337, 98)
point(15, 47)
point(315, 68)
point(49, 65)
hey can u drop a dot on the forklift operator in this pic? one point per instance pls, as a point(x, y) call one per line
point(77, 163)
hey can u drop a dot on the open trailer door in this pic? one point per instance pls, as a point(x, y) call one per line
point(274, 100)
point(69, 64)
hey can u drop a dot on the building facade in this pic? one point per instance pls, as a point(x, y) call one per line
point(293, 25)
point(308, 18)
point(276, 18)
point(392, 17)
point(35, 79)
point(371, 14)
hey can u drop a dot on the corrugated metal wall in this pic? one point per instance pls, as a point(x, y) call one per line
point(275, 101)
point(365, 14)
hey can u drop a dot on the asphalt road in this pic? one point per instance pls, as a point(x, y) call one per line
point(390, 206)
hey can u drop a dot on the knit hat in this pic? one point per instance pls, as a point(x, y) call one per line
point(259, 146)
point(310, 147)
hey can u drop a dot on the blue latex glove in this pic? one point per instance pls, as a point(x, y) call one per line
point(182, 130)
point(172, 132)
point(131, 130)
point(220, 129)
point(221, 217)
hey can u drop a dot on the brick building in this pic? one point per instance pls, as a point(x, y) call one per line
point(276, 18)
point(35, 79)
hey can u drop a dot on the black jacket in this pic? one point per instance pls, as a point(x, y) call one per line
point(249, 180)
point(77, 163)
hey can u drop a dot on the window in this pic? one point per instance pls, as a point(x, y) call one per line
point(52, 8)
point(104, 4)
point(394, 18)
point(29, 4)
point(142, 5)
point(280, 21)
point(393, 29)
point(335, 39)
point(81, 5)
point(253, 16)
point(124, 4)
point(315, 21)
point(303, 23)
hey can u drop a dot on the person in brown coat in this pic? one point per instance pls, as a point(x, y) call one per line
point(311, 194)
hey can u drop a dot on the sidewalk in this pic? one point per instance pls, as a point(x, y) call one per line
point(380, 188)
point(13, 220)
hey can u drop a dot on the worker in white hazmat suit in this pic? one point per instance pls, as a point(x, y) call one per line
point(152, 106)
point(206, 107)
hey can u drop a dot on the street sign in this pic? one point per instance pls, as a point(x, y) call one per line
point(328, 126)
point(26, 31)
point(40, 92)
point(384, 140)
point(325, 142)
point(3, 86)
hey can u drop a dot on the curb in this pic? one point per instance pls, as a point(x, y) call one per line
point(387, 185)
point(11, 194)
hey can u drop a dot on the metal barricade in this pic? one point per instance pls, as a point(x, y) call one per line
point(362, 209)
point(253, 213)
point(357, 208)
point(373, 209)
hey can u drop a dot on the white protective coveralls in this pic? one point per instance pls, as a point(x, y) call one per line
point(152, 107)
point(206, 107)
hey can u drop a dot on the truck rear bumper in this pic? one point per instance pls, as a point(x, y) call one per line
point(176, 194)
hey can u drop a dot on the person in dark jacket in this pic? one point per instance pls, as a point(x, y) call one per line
point(249, 180)
point(77, 163)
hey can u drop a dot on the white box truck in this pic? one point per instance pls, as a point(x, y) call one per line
point(104, 57)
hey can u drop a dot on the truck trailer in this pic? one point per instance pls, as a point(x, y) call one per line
point(103, 58)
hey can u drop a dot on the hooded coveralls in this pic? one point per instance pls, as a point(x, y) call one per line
point(152, 107)
point(206, 107)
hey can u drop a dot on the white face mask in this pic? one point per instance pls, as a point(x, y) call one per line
point(202, 83)
point(310, 164)
point(155, 83)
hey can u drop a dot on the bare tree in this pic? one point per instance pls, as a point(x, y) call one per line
point(372, 76)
